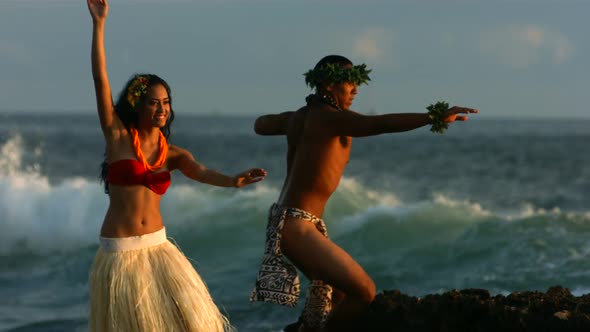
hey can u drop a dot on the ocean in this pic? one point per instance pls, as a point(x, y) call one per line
point(500, 204)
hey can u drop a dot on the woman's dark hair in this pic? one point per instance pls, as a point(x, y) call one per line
point(128, 114)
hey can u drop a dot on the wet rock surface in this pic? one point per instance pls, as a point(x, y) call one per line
point(476, 310)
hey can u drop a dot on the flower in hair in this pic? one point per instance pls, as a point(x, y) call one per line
point(136, 89)
point(334, 73)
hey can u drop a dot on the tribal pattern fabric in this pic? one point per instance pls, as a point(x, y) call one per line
point(318, 304)
point(278, 280)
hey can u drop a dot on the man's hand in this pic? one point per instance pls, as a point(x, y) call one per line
point(452, 114)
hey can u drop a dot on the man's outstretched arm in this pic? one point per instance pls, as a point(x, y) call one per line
point(273, 124)
point(357, 125)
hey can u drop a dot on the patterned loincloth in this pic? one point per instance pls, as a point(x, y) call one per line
point(278, 281)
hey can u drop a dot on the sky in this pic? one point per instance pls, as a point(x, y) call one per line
point(522, 59)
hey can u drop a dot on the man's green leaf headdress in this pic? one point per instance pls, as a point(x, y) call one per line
point(334, 73)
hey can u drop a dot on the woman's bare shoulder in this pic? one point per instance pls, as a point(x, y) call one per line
point(176, 151)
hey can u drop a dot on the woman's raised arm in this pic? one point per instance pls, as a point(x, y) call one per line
point(104, 100)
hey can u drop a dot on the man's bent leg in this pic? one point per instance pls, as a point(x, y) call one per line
point(337, 296)
point(321, 259)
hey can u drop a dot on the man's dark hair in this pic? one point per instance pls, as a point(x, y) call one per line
point(333, 59)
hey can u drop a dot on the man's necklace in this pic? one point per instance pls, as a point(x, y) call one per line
point(325, 99)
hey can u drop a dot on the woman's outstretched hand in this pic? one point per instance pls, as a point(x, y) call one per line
point(99, 9)
point(452, 114)
point(248, 177)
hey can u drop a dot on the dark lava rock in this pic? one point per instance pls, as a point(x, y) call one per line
point(475, 310)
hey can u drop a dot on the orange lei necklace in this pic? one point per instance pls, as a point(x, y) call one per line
point(163, 151)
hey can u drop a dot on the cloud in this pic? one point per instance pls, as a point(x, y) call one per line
point(374, 44)
point(523, 45)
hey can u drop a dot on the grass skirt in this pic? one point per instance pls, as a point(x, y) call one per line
point(145, 283)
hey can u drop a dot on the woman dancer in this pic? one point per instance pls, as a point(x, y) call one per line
point(140, 281)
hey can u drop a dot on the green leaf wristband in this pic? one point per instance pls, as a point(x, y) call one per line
point(436, 114)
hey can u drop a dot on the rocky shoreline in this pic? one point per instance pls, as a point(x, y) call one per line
point(476, 310)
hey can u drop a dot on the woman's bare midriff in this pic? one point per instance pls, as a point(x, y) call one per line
point(133, 210)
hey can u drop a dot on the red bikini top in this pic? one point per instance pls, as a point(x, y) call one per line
point(126, 172)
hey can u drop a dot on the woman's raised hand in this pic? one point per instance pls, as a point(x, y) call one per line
point(99, 9)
